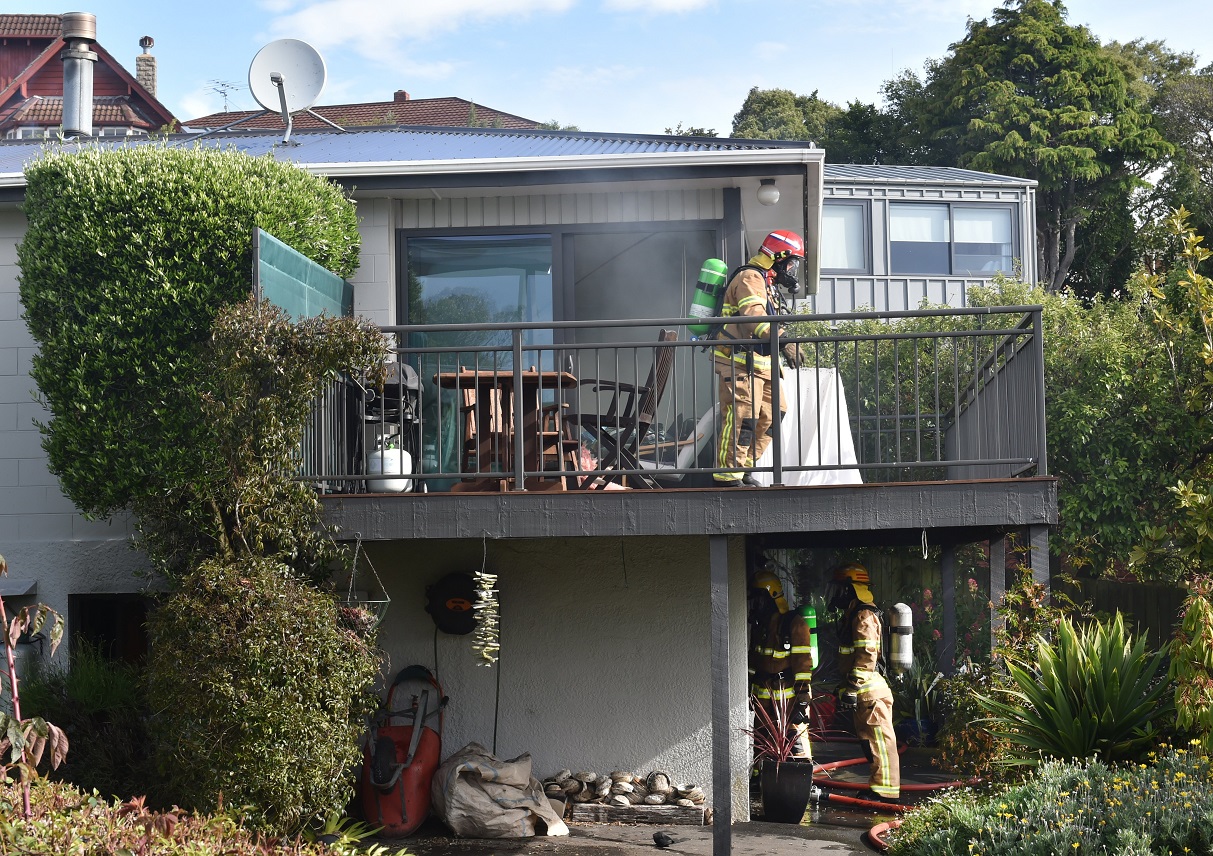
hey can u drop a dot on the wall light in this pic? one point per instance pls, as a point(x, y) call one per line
point(768, 193)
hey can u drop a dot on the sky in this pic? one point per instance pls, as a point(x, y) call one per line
point(626, 66)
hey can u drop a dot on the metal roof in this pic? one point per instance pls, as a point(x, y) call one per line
point(842, 173)
point(383, 149)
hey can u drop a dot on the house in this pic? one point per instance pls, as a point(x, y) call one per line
point(401, 110)
point(622, 612)
point(33, 52)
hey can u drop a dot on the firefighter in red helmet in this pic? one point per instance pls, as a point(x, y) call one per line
point(864, 691)
point(744, 370)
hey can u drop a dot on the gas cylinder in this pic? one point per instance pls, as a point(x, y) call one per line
point(810, 619)
point(707, 295)
point(901, 623)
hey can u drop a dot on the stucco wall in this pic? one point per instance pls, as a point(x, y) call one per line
point(606, 652)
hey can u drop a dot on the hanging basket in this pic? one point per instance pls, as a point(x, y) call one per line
point(373, 603)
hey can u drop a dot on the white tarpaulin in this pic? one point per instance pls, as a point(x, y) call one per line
point(480, 796)
point(816, 430)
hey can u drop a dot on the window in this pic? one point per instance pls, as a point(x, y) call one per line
point(844, 243)
point(960, 240)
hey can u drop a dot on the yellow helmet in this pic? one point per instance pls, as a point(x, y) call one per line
point(857, 575)
point(768, 581)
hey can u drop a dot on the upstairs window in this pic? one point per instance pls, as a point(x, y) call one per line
point(844, 237)
point(960, 240)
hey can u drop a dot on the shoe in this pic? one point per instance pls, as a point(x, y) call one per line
point(872, 796)
point(749, 481)
point(727, 482)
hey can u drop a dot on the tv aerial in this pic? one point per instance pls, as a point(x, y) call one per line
point(286, 77)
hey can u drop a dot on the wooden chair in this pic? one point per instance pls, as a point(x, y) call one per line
point(627, 419)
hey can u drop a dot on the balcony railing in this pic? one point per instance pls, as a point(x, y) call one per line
point(891, 397)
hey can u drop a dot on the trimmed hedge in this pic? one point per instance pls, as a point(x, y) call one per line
point(276, 696)
point(129, 254)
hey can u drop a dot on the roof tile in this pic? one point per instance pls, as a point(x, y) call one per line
point(30, 26)
point(438, 112)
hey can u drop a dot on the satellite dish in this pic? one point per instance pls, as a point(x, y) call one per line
point(287, 73)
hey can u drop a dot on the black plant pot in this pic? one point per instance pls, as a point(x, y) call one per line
point(786, 788)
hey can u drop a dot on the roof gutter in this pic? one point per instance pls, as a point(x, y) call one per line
point(792, 159)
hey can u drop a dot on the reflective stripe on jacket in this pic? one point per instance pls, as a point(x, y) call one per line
point(746, 294)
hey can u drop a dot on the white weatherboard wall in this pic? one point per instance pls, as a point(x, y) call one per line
point(41, 535)
point(605, 652)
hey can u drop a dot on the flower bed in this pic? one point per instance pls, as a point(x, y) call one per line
point(1165, 806)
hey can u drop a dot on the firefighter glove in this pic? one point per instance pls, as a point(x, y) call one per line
point(800, 713)
point(848, 699)
point(791, 353)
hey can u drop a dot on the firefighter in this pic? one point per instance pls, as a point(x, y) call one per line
point(783, 654)
point(863, 691)
point(744, 371)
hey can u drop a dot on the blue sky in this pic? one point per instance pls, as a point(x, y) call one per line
point(635, 66)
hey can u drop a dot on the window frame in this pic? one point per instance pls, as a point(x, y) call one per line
point(865, 221)
point(953, 206)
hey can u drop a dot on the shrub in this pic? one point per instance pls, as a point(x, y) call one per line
point(129, 254)
point(1094, 691)
point(66, 821)
point(1083, 808)
point(276, 696)
point(102, 707)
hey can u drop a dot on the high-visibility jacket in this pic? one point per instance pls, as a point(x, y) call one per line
point(781, 660)
point(747, 293)
point(859, 650)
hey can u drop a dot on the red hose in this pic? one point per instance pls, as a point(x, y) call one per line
point(876, 834)
point(872, 804)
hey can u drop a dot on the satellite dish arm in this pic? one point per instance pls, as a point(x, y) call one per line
point(277, 80)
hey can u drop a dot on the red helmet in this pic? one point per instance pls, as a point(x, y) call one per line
point(781, 244)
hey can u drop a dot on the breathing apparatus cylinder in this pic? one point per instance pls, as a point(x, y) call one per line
point(810, 619)
point(707, 294)
point(901, 622)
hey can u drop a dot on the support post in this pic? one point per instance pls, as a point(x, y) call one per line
point(998, 584)
point(722, 773)
point(1038, 539)
point(947, 644)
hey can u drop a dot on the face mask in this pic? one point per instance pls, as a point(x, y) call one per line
point(787, 273)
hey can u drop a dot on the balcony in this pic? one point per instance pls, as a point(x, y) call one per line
point(896, 422)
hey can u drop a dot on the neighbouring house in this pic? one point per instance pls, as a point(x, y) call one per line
point(622, 611)
point(41, 55)
point(401, 110)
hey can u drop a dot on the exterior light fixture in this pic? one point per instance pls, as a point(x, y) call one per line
point(768, 193)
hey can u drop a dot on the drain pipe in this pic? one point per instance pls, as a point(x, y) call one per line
point(79, 31)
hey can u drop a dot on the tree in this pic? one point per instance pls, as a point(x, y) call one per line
point(1026, 94)
point(780, 114)
point(692, 131)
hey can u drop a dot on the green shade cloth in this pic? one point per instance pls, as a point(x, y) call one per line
point(295, 283)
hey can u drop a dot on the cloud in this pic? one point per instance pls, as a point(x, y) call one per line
point(586, 79)
point(375, 28)
point(655, 7)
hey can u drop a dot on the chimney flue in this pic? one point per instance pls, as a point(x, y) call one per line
point(145, 66)
point(79, 30)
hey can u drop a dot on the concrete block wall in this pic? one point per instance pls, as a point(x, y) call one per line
point(41, 535)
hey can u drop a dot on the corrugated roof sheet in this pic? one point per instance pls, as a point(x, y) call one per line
point(889, 174)
point(419, 144)
point(442, 112)
point(30, 26)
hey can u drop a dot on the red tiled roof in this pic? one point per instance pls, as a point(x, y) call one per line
point(441, 112)
point(48, 110)
point(30, 26)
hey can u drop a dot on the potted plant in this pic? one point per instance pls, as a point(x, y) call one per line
point(915, 703)
point(786, 781)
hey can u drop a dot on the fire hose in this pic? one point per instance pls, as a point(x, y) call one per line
point(877, 832)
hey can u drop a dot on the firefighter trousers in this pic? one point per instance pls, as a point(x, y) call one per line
point(746, 420)
point(874, 728)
